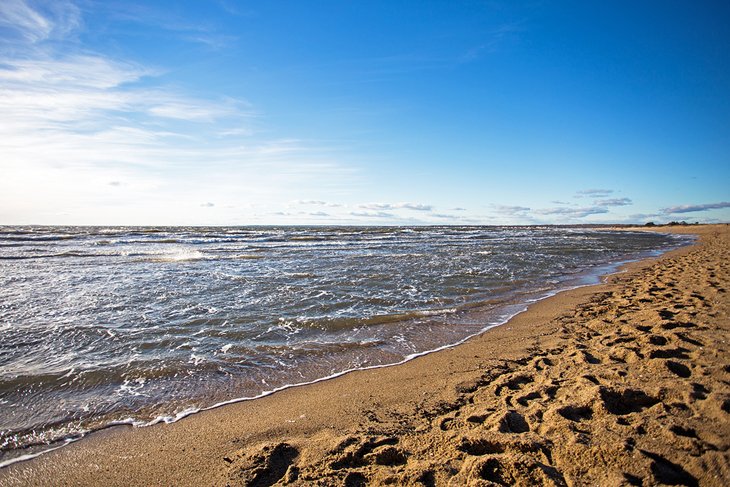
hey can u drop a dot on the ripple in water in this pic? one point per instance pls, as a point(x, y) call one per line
point(102, 326)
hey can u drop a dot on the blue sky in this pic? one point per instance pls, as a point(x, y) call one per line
point(377, 112)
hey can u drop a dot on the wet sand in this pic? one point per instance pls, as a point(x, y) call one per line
point(623, 383)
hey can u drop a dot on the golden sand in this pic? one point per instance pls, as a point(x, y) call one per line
point(624, 383)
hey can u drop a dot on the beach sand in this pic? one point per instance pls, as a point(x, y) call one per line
point(623, 383)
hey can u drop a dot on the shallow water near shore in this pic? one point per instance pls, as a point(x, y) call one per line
point(103, 326)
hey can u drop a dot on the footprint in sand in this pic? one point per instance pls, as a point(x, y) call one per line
point(502, 461)
point(512, 422)
point(682, 431)
point(658, 340)
point(263, 467)
point(354, 452)
point(678, 369)
point(576, 413)
point(525, 400)
point(669, 473)
point(626, 401)
point(699, 392)
point(677, 353)
point(686, 339)
point(677, 324)
point(513, 383)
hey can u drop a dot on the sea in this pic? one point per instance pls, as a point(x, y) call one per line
point(102, 326)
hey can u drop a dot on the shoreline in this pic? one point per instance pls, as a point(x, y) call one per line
point(478, 315)
point(227, 438)
point(478, 311)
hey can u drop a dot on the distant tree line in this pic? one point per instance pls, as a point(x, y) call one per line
point(672, 223)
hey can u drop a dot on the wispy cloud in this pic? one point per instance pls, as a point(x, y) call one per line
point(416, 206)
point(166, 22)
point(88, 101)
point(376, 206)
point(75, 119)
point(573, 212)
point(32, 25)
point(643, 216)
point(614, 202)
point(212, 41)
point(189, 109)
point(20, 17)
point(370, 214)
point(310, 202)
point(694, 208)
point(317, 203)
point(495, 38)
point(595, 193)
point(512, 210)
point(397, 206)
point(71, 71)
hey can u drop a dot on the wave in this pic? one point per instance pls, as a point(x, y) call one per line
point(36, 238)
point(62, 255)
point(182, 255)
point(167, 310)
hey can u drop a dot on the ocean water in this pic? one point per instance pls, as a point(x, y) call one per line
point(102, 326)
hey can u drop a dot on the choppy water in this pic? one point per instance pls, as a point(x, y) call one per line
point(108, 325)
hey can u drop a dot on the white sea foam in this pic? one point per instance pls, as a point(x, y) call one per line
point(196, 359)
point(332, 300)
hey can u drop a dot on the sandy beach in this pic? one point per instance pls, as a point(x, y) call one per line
point(622, 383)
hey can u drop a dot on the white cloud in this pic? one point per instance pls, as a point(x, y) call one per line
point(369, 214)
point(75, 120)
point(643, 216)
point(396, 206)
point(71, 71)
point(188, 110)
point(596, 193)
point(311, 202)
point(376, 206)
point(512, 210)
point(415, 206)
point(317, 203)
point(614, 202)
point(693, 208)
point(25, 21)
point(572, 212)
